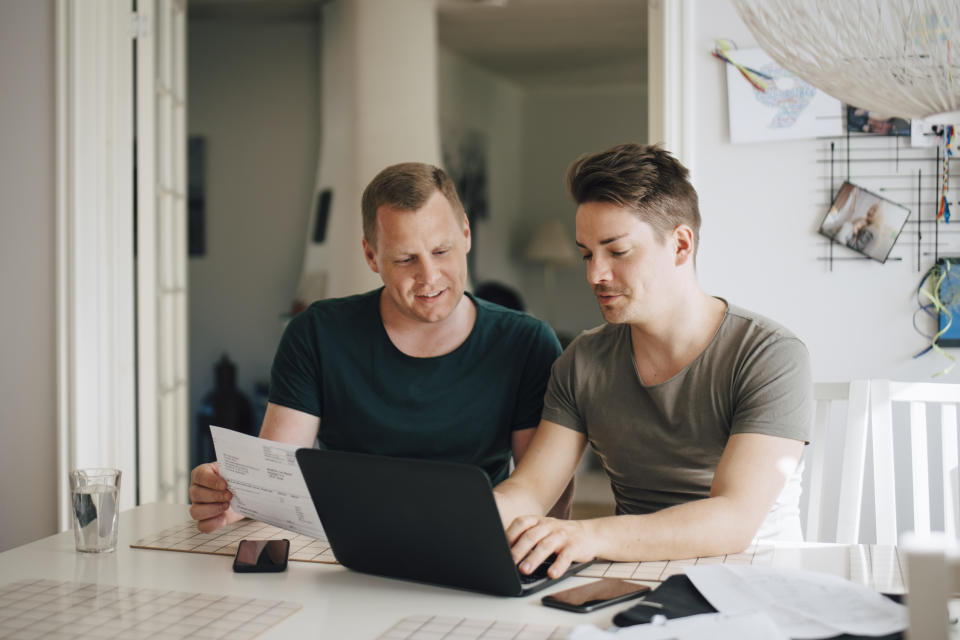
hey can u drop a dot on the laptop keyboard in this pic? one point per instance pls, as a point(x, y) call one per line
point(540, 572)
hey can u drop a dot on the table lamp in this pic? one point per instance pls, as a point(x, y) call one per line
point(552, 245)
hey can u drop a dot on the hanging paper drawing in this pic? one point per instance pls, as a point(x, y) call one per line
point(787, 108)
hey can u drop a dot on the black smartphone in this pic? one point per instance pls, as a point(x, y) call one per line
point(602, 593)
point(261, 556)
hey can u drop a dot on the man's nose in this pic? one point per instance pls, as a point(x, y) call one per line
point(598, 270)
point(428, 270)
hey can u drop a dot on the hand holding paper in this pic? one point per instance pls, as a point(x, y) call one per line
point(266, 482)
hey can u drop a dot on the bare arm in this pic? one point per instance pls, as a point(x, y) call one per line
point(750, 475)
point(520, 443)
point(208, 490)
point(282, 424)
point(546, 468)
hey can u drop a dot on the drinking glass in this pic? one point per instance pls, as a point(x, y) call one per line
point(95, 495)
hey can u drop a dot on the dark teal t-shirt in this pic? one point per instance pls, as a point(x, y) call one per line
point(335, 361)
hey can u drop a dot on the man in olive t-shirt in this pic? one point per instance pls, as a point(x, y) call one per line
point(414, 369)
point(660, 444)
point(698, 410)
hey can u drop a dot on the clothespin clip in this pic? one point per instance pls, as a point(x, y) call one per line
point(754, 77)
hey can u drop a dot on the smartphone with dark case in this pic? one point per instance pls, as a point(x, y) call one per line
point(261, 556)
point(589, 597)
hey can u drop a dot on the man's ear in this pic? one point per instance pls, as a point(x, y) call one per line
point(370, 255)
point(466, 233)
point(683, 244)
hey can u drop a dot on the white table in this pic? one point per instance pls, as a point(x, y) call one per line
point(337, 602)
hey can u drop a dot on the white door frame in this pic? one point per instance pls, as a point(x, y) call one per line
point(101, 284)
point(94, 204)
point(162, 251)
point(670, 85)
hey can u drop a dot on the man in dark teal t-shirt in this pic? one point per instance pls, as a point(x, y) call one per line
point(417, 368)
point(337, 362)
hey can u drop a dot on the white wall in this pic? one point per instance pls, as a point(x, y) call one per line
point(28, 395)
point(761, 204)
point(472, 98)
point(559, 125)
point(253, 92)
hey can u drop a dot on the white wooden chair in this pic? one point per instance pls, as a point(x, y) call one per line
point(883, 395)
point(933, 577)
point(855, 394)
point(869, 422)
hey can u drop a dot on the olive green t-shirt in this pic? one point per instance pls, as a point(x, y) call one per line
point(336, 361)
point(660, 444)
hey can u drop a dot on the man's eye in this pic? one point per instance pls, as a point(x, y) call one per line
point(617, 254)
point(403, 260)
point(440, 252)
point(586, 256)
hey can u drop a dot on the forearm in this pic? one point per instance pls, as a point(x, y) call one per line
point(543, 480)
point(563, 505)
point(708, 527)
point(514, 499)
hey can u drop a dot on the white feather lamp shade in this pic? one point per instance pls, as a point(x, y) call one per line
point(895, 57)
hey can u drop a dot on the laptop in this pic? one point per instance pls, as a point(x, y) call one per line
point(421, 520)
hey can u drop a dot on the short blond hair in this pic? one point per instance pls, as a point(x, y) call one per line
point(406, 186)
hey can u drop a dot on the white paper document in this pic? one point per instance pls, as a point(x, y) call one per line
point(266, 482)
point(803, 604)
point(706, 626)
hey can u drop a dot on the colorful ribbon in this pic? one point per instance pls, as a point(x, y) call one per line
point(935, 308)
point(754, 77)
point(944, 210)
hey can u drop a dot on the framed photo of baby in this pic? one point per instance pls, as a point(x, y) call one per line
point(864, 221)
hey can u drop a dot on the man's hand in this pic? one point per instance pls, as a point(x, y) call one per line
point(210, 498)
point(533, 538)
point(208, 491)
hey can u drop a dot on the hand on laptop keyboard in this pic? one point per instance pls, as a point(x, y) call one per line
point(540, 572)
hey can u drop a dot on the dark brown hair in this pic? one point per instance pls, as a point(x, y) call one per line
point(644, 178)
point(406, 186)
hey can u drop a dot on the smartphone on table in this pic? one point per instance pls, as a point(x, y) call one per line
point(589, 597)
point(261, 556)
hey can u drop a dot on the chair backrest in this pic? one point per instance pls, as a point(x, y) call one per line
point(856, 395)
point(869, 422)
point(933, 576)
point(883, 395)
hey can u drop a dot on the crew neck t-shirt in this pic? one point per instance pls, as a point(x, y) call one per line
point(336, 361)
point(660, 444)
